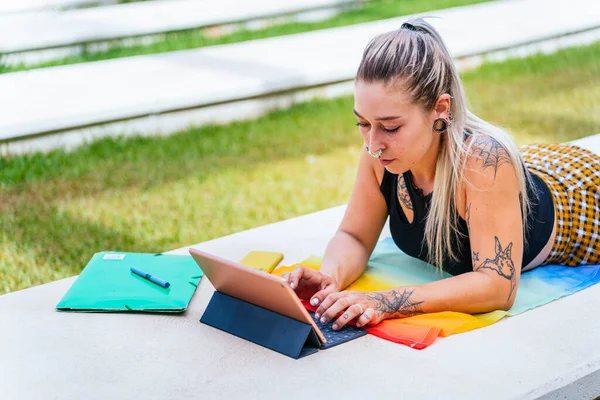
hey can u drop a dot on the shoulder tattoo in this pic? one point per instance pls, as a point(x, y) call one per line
point(490, 152)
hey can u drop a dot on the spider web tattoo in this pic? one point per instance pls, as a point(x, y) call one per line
point(490, 152)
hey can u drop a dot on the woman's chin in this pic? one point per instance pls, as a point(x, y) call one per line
point(393, 169)
point(392, 165)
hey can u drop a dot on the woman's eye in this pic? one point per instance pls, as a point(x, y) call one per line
point(383, 128)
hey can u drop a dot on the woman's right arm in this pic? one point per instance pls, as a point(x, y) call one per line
point(349, 250)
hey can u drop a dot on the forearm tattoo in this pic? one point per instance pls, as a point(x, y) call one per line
point(503, 265)
point(403, 195)
point(396, 302)
point(490, 152)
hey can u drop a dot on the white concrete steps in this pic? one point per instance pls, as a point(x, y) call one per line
point(23, 6)
point(28, 38)
point(149, 94)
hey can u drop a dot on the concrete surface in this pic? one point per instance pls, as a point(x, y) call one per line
point(36, 31)
point(162, 93)
point(547, 353)
point(23, 6)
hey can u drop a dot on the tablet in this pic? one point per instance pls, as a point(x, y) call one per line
point(254, 286)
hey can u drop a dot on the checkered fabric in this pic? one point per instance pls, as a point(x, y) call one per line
point(573, 177)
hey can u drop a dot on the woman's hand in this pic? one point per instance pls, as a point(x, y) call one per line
point(311, 284)
point(368, 308)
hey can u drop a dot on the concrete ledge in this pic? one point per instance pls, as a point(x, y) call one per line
point(22, 6)
point(45, 30)
point(167, 123)
point(67, 99)
point(546, 353)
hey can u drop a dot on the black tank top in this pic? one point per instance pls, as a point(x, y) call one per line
point(410, 237)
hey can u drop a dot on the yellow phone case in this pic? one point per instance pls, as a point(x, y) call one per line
point(263, 260)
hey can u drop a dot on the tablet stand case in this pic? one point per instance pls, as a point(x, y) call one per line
point(261, 326)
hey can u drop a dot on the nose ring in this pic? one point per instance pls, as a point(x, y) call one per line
point(374, 155)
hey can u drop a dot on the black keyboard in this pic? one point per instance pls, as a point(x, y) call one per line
point(334, 338)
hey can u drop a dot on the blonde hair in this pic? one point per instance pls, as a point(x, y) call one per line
point(416, 57)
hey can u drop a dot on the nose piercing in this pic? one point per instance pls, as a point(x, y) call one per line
point(376, 154)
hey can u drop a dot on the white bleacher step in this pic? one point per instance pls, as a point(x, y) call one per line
point(32, 38)
point(23, 6)
point(80, 101)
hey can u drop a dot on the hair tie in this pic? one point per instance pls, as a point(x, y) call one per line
point(409, 26)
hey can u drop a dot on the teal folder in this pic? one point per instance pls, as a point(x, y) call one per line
point(106, 284)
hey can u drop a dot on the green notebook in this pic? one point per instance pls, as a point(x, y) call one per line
point(106, 284)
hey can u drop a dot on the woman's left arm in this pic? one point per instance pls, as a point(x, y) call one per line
point(493, 215)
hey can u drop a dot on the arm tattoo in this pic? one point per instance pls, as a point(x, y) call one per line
point(403, 195)
point(396, 302)
point(490, 152)
point(503, 265)
point(468, 215)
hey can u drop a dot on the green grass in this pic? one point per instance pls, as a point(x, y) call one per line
point(370, 11)
point(100, 4)
point(157, 194)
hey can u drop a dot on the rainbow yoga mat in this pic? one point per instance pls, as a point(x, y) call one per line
point(389, 267)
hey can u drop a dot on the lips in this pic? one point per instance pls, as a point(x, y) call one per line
point(385, 162)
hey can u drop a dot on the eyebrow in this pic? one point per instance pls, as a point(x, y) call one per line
point(380, 118)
